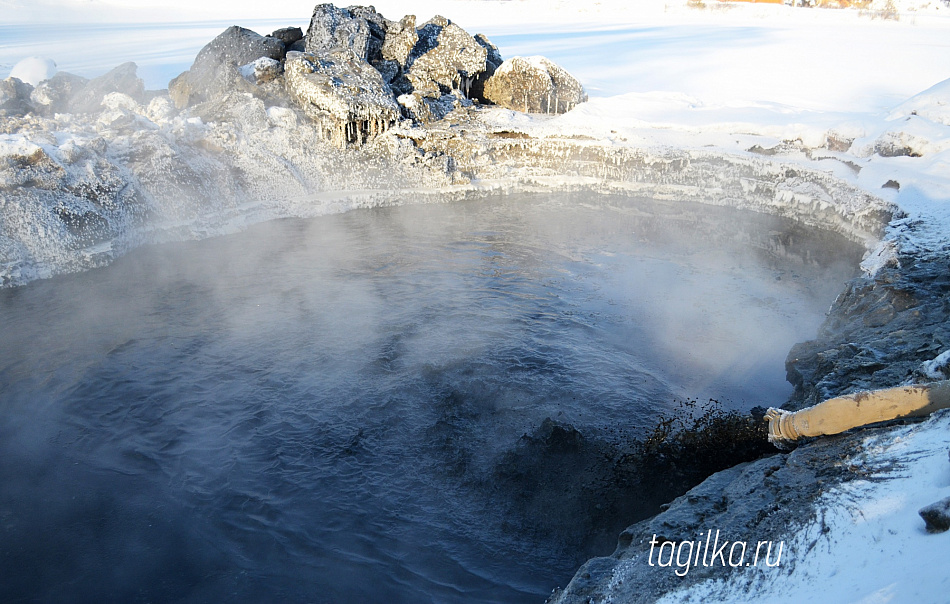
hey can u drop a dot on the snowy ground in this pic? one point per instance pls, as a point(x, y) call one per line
point(877, 549)
point(660, 74)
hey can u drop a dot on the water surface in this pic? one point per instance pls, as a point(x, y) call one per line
point(311, 410)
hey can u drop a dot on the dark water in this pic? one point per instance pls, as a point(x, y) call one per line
point(308, 411)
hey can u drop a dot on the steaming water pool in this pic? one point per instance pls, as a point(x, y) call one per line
point(308, 411)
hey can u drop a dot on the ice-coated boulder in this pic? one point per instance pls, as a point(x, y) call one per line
point(14, 97)
point(343, 93)
point(401, 38)
point(358, 28)
point(288, 35)
point(424, 109)
point(261, 71)
point(535, 85)
point(123, 78)
point(445, 58)
point(53, 95)
point(215, 70)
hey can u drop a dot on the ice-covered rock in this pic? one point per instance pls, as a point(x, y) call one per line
point(261, 71)
point(424, 109)
point(401, 38)
point(123, 78)
point(344, 94)
point(53, 95)
point(215, 73)
point(937, 368)
point(445, 58)
point(14, 97)
point(534, 85)
point(360, 29)
point(33, 70)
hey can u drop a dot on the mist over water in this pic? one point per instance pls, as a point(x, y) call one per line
point(310, 410)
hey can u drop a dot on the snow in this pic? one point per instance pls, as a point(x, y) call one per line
point(727, 78)
point(34, 70)
point(868, 543)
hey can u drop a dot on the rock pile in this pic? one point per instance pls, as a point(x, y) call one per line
point(356, 73)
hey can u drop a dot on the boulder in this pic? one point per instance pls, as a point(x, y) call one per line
point(424, 109)
point(123, 78)
point(15, 97)
point(53, 95)
point(215, 70)
point(937, 516)
point(261, 71)
point(343, 93)
point(401, 38)
point(445, 58)
point(535, 85)
point(493, 61)
point(288, 35)
point(360, 29)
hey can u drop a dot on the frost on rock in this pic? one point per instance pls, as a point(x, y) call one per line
point(54, 95)
point(493, 61)
point(261, 71)
point(360, 29)
point(14, 97)
point(534, 85)
point(445, 59)
point(122, 79)
point(401, 38)
point(215, 71)
point(938, 368)
point(343, 94)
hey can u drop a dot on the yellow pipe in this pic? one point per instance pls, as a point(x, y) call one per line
point(836, 415)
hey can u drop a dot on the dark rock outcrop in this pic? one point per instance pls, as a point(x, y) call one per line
point(877, 334)
point(535, 85)
point(215, 71)
point(288, 35)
